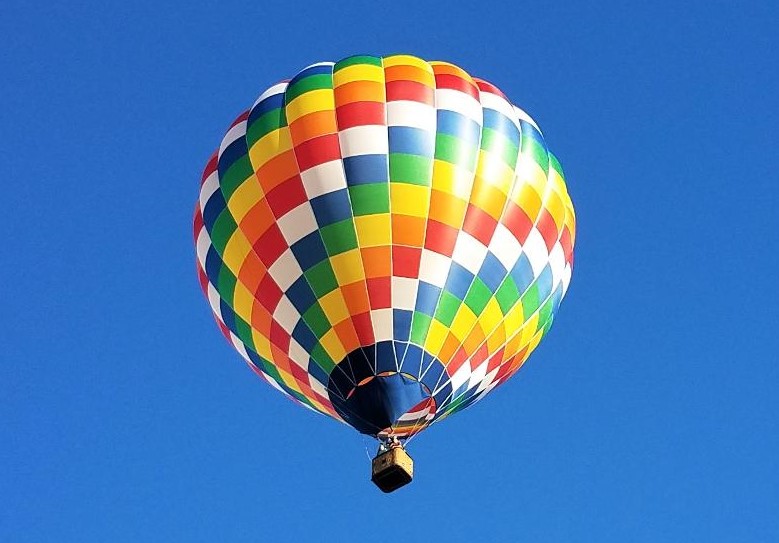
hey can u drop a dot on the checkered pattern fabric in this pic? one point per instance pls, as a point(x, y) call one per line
point(391, 207)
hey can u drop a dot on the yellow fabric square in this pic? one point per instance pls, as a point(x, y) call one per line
point(492, 169)
point(463, 321)
point(529, 330)
point(491, 316)
point(436, 336)
point(515, 317)
point(406, 199)
point(373, 230)
point(243, 301)
point(309, 102)
point(528, 200)
point(235, 251)
point(244, 198)
point(452, 179)
point(269, 146)
point(348, 267)
point(334, 306)
point(262, 345)
point(332, 345)
point(358, 72)
point(497, 339)
point(405, 60)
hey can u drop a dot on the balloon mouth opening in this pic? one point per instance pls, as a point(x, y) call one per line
point(391, 403)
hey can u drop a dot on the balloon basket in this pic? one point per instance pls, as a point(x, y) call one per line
point(392, 469)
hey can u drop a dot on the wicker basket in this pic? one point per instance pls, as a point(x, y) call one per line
point(392, 469)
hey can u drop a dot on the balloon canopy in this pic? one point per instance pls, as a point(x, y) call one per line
point(385, 240)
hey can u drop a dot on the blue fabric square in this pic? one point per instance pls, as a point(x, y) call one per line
point(309, 250)
point(365, 169)
point(332, 207)
point(522, 274)
point(411, 141)
point(459, 281)
point(301, 295)
point(492, 272)
point(427, 298)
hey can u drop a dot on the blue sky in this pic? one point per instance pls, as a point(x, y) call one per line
point(649, 413)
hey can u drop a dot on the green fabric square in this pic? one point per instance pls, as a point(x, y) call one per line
point(225, 285)
point(244, 331)
point(530, 301)
point(357, 59)
point(369, 199)
point(222, 230)
point(455, 151)
point(316, 319)
point(310, 83)
point(339, 237)
point(495, 142)
point(419, 327)
point(265, 124)
point(534, 149)
point(507, 295)
point(322, 359)
point(447, 308)
point(238, 172)
point(321, 278)
point(478, 296)
point(412, 169)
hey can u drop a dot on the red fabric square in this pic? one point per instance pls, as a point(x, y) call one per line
point(440, 238)
point(379, 292)
point(479, 224)
point(287, 196)
point(270, 245)
point(517, 221)
point(268, 294)
point(405, 261)
point(547, 228)
point(318, 151)
point(364, 328)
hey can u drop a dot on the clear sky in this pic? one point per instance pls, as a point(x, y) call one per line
point(650, 411)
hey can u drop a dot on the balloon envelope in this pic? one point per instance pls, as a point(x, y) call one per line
point(385, 240)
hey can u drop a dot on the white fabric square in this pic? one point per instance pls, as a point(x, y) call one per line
point(364, 140)
point(497, 103)
point(318, 387)
point(460, 102)
point(505, 247)
point(286, 315)
point(239, 346)
point(298, 355)
point(285, 270)
point(469, 252)
point(521, 115)
point(535, 249)
point(434, 268)
point(557, 264)
point(213, 299)
point(236, 132)
point(477, 375)
point(404, 292)
point(203, 243)
point(461, 376)
point(566, 278)
point(210, 186)
point(408, 113)
point(487, 381)
point(278, 88)
point(298, 223)
point(382, 324)
point(324, 178)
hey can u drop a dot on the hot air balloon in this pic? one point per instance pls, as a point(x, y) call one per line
point(385, 240)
